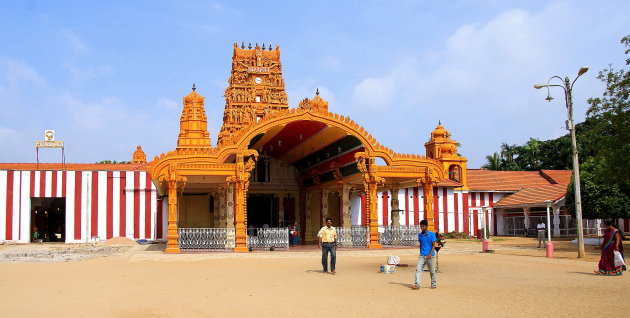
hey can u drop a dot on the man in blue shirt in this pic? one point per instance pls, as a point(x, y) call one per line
point(428, 242)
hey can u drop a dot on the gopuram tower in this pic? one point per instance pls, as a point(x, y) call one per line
point(255, 89)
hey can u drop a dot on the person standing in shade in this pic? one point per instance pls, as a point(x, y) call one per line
point(428, 242)
point(541, 234)
point(327, 242)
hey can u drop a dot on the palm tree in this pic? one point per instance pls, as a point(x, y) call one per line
point(492, 162)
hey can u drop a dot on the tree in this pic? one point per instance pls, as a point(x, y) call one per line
point(605, 177)
point(492, 162)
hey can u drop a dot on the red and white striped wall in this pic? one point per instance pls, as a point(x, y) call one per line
point(101, 204)
point(455, 210)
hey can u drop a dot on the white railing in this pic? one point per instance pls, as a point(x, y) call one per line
point(206, 238)
point(273, 237)
point(355, 236)
point(401, 235)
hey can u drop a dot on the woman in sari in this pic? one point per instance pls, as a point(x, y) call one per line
point(294, 231)
point(610, 244)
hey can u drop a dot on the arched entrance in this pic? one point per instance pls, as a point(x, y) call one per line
point(292, 165)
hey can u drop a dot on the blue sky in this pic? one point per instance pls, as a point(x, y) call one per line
point(110, 75)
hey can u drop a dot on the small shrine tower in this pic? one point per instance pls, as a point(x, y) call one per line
point(193, 125)
point(441, 147)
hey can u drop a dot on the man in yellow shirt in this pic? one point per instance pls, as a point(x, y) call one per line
point(327, 242)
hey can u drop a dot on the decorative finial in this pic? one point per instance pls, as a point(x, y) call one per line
point(242, 44)
point(269, 46)
point(439, 122)
point(257, 44)
point(194, 88)
point(263, 46)
point(317, 91)
point(250, 45)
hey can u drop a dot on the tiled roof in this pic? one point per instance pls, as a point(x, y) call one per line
point(534, 195)
point(74, 166)
point(558, 176)
point(489, 180)
point(449, 183)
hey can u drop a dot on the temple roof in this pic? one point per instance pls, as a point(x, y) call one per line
point(491, 180)
point(534, 195)
point(74, 166)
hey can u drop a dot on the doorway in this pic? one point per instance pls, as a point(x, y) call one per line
point(262, 209)
point(48, 220)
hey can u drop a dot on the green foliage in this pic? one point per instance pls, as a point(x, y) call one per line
point(603, 142)
point(113, 162)
point(599, 199)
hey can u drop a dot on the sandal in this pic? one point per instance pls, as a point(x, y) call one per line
point(598, 273)
point(415, 287)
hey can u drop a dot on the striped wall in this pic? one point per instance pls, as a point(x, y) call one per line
point(101, 204)
point(458, 211)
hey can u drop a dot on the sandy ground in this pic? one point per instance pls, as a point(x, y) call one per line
point(515, 281)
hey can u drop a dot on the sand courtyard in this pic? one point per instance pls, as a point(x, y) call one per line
point(140, 281)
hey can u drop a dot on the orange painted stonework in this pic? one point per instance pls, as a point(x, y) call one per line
point(257, 122)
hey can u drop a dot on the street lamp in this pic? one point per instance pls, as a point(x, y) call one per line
point(549, 244)
point(567, 86)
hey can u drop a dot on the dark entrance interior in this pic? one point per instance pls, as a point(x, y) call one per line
point(48, 219)
point(262, 209)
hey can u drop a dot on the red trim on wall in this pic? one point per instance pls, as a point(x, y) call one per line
point(436, 209)
point(42, 183)
point(445, 203)
point(77, 205)
point(385, 207)
point(364, 216)
point(53, 184)
point(482, 199)
point(466, 215)
point(473, 201)
point(109, 207)
point(123, 204)
point(94, 218)
point(9, 207)
point(136, 204)
point(147, 207)
point(416, 207)
point(456, 210)
point(160, 218)
point(494, 213)
point(32, 185)
point(407, 206)
point(64, 177)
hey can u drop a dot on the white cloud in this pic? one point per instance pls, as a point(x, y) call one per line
point(74, 41)
point(14, 72)
point(331, 63)
point(82, 74)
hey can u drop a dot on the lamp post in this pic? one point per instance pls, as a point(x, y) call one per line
point(549, 244)
point(567, 86)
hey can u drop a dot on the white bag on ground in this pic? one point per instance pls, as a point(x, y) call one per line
point(618, 259)
point(393, 260)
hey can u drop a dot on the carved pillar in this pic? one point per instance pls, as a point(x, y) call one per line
point(241, 182)
point(297, 203)
point(308, 232)
point(367, 166)
point(556, 220)
point(172, 243)
point(229, 209)
point(395, 206)
point(345, 205)
point(427, 191)
point(324, 207)
point(222, 208)
point(281, 210)
point(372, 211)
point(526, 221)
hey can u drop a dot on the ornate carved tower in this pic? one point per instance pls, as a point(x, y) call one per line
point(193, 125)
point(441, 147)
point(256, 89)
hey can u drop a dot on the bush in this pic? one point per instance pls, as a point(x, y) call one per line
point(456, 235)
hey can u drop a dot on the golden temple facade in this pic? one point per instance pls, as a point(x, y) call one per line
point(277, 165)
